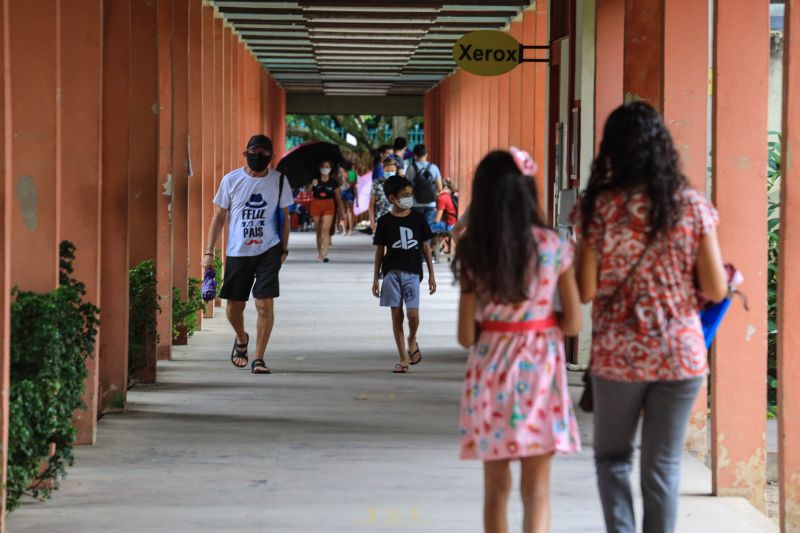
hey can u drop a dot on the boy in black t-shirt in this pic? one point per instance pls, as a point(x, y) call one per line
point(402, 237)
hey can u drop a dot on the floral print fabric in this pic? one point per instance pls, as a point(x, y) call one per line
point(650, 330)
point(516, 399)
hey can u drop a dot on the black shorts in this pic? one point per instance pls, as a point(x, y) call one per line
point(242, 272)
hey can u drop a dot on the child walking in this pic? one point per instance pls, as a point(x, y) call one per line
point(402, 240)
point(516, 403)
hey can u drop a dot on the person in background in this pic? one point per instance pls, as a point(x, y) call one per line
point(379, 205)
point(381, 154)
point(327, 197)
point(644, 236)
point(303, 203)
point(401, 240)
point(399, 151)
point(349, 199)
point(426, 178)
point(516, 403)
point(445, 218)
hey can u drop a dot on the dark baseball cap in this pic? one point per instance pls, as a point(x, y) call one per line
point(260, 141)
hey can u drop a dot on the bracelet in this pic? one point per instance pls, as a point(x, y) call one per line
point(208, 253)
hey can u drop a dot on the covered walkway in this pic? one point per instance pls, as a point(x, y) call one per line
point(331, 442)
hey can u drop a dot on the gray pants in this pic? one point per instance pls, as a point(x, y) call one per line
point(665, 407)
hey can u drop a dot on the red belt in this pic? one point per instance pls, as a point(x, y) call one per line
point(520, 327)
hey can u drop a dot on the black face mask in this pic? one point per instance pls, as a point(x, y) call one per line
point(258, 162)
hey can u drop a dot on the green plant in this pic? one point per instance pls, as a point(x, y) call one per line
point(218, 269)
point(51, 336)
point(773, 225)
point(184, 312)
point(142, 318)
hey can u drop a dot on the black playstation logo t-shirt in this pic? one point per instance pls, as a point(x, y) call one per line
point(403, 238)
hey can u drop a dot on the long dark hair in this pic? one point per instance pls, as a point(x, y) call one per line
point(637, 153)
point(495, 253)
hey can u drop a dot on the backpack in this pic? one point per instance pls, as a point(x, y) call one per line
point(455, 202)
point(424, 185)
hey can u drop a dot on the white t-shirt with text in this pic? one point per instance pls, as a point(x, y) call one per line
point(251, 204)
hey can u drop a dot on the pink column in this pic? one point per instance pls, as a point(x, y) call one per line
point(788, 281)
point(144, 131)
point(180, 179)
point(164, 185)
point(5, 266)
point(116, 180)
point(739, 402)
point(81, 31)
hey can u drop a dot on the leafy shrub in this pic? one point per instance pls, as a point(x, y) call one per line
point(218, 268)
point(184, 312)
point(142, 318)
point(773, 221)
point(51, 336)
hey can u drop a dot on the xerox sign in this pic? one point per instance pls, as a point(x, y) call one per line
point(487, 52)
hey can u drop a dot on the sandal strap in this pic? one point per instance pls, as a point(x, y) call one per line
point(258, 363)
point(245, 344)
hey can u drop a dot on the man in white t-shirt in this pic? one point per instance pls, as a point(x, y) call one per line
point(251, 199)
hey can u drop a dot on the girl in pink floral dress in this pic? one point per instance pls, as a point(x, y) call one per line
point(516, 403)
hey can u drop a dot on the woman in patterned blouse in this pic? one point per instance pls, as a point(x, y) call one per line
point(644, 238)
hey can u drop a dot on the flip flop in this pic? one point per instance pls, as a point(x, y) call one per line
point(259, 363)
point(400, 369)
point(418, 359)
point(236, 354)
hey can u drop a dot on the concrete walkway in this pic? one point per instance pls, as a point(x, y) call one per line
point(332, 442)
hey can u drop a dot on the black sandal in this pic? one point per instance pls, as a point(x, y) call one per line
point(259, 363)
point(415, 357)
point(236, 354)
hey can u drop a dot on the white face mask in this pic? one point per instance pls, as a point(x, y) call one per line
point(406, 203)
point(325, 170)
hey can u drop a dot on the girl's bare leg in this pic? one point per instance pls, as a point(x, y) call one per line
point(497, 488)
point(535, 493)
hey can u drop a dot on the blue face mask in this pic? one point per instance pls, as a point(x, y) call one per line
point(388, 174)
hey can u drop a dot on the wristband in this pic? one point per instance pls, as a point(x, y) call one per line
point(207, 253)
point(285, 252)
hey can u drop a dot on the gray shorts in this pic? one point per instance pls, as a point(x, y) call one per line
point(399, 287)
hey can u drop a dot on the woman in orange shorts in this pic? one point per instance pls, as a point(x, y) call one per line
point(327, 198)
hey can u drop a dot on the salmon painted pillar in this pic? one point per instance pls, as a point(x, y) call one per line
point(144, 155)
point(515, 117)
point(212, 41)
point(196, 101)
point(789, 282)
point(5, 264)
point(609, 58)
point(34, 143)
point(114, 250)
point(644, 33)
point(180, 146)
point(685, 90)
point(165, 180)
point(739, 363)
point(685, 108)
point(527, 92)
point(81, 33)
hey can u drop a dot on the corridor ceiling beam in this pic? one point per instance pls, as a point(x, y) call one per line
point(361, 47)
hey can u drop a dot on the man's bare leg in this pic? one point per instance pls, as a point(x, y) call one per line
point(235, 312)
point(266, 320)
